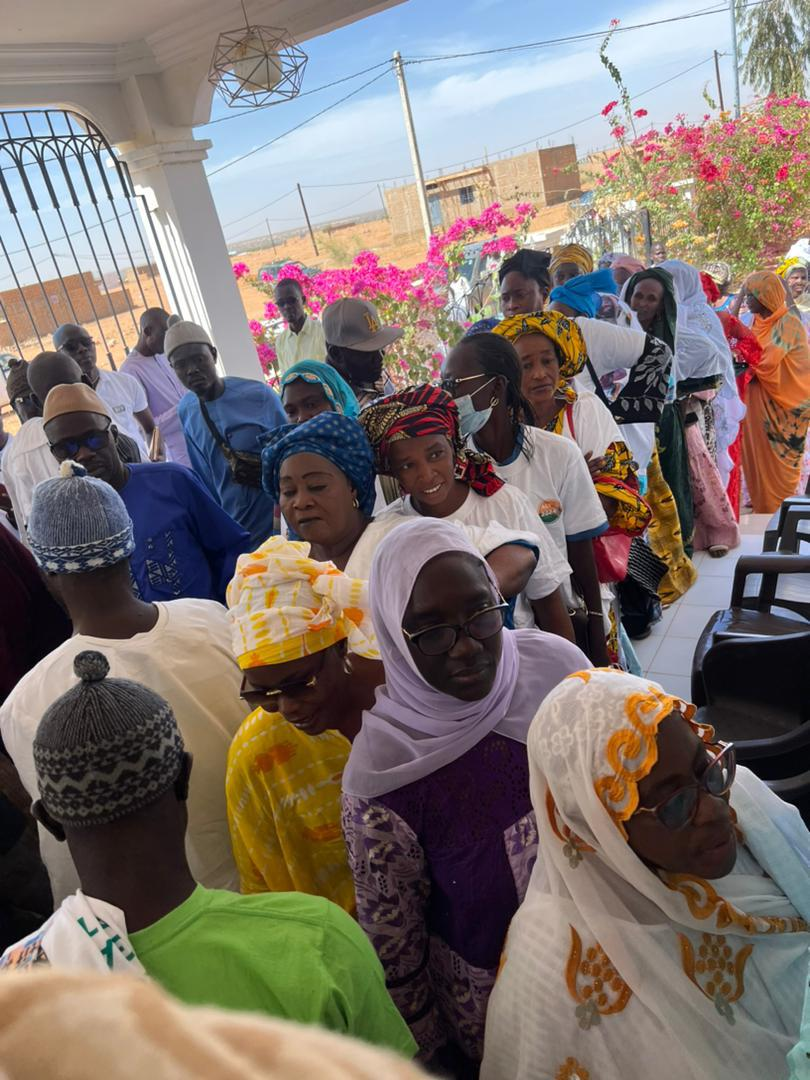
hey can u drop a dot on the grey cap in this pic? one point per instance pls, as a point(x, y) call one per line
point(106, 748)
point(352, 323)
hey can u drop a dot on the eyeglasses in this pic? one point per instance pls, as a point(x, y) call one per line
point(437, 640)
point(91, 440)
point(268, 700)
point(73, 345)
point(451, 385)
point(679, 808)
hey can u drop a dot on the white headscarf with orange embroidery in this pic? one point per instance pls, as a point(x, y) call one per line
point(284, 606)
point(613, 970)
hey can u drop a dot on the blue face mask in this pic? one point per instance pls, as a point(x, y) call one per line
point(471, 419)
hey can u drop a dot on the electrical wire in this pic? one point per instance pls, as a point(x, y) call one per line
point(574, 38)
point(334, 105)
point(305, 93)
point(259, 209)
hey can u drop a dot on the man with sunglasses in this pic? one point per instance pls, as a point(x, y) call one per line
point(185, 543)
point(122, 393)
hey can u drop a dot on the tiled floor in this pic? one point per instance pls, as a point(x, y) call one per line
point(666, 655)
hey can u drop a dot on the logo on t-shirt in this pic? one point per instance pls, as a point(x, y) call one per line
point(549, 510)
point(119, 408)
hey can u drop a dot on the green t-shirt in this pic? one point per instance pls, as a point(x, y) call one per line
point(284, 954)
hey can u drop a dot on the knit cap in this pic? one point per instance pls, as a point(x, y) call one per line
point(78, 523)
point(106, 748)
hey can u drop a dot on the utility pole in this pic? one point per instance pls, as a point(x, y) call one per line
point(719, 84)
point(382, 200)
point(735, 58)
point(306, 218)
point(415, 159)
point(270, 234)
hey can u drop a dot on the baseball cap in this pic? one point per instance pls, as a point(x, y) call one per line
point(352, 323)
point(71, 398)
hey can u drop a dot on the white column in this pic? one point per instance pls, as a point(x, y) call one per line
point(192, 256)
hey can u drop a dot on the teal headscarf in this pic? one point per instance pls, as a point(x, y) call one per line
point(338, 392)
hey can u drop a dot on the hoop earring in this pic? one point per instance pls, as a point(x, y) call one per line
point(347, 665)
point(493, 402)
point(356, 503)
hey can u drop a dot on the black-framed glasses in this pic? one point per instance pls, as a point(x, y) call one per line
point(678, 809)
point(74, 344)
point(90, 440)
point(259, 698)
point(451, 385)
point(437, 640)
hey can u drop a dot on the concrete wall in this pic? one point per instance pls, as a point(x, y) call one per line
point(546, 177)
point(43, 320)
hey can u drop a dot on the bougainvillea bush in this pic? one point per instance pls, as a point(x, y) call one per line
point(737, 190)
point(417, 299)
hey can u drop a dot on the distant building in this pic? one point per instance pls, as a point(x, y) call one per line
point(545, 177)
point(36, 310)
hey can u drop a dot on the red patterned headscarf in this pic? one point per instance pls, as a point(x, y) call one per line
point(425, 410)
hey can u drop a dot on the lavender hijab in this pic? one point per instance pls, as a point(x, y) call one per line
point(412, 730)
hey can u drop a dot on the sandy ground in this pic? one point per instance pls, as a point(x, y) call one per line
point(337, 247)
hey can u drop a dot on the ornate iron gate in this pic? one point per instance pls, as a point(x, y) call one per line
point(75, 239)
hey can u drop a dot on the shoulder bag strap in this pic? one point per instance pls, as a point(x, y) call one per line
point(215, 433)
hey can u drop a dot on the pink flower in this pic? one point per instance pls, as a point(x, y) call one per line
point(782, 173)
point(240, 270)
point(619, 132)
point(639, 113)
point(608, 109)
point(255, 327)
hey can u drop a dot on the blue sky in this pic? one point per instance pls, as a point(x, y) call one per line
point(462, 108)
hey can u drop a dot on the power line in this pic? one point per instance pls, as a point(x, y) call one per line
point(571, 39)
point(306, 93)
point(259, 209)
point(334, 105)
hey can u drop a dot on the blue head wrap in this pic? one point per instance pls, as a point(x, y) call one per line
point(483, 326)
point(582, 292)
point(338, 392)
point(337, 438)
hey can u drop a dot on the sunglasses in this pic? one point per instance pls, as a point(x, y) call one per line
point(451, 385)
point(91, 440)
point(437, 640)
point(73, 345)
point(679, 808)
point(259, 698)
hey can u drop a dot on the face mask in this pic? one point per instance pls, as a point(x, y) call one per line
point(471, 419)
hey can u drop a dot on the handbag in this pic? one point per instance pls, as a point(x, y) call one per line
point(245, 468)
point(611, 550)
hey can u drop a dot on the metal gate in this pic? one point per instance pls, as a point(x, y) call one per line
point(72, 236)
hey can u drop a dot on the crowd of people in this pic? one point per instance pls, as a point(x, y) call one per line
point(322, 705)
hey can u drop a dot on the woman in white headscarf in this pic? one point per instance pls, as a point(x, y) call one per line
point(664, 930)
point(436, 810)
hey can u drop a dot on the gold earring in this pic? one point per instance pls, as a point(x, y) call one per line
point(347, 665)
point(494, 401)
point(356, 503)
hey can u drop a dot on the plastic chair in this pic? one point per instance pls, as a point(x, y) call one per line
point(770, 539)
point(796, 791)
point(751, 616)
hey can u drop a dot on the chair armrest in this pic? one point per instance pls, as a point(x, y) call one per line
point(771, 565)
point(792, 787)
point(791, 537)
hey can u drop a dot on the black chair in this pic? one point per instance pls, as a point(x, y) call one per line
point(773, 533)
point(796, 791)
point(751, 616)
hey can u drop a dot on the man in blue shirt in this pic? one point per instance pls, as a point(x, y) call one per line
point(186, 546)
point(223, 420)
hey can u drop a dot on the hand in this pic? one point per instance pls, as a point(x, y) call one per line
point(597, 645)
point(157, 451)
point(596, 465)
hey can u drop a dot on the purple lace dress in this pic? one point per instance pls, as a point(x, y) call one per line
point(440, 867)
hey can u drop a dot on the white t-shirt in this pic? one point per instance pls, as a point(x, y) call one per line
point(558, 484)
point(3, 451)
point(124, 396)
point(26, 463)
point(507, 508)
point(186, 658)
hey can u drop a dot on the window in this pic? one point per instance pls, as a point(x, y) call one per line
point(466, 195)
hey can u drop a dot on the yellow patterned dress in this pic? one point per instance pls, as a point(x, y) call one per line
point(283, 795)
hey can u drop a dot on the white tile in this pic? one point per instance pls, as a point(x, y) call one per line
point(662, 626)
point(715, 591)
point(674, 657)
point(754, 523)
point(698, 557)
point(750, 544)
point(689, 621)
point(723, 568)
point(645, 650)
point(679, 685)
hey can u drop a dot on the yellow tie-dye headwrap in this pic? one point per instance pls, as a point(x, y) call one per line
point(284, 606)
point(563, 331)
point(572, 253)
